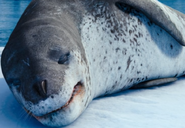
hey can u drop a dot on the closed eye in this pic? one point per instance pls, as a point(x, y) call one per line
point(64, 59)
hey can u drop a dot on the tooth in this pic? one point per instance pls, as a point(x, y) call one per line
point(44, 86)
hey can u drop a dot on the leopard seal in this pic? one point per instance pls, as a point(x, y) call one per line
point(62, 54)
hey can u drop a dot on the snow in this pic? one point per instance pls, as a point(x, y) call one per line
point(156, 107)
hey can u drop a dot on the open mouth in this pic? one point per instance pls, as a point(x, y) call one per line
point(77, 90)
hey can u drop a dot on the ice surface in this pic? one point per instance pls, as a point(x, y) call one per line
point(156, 107)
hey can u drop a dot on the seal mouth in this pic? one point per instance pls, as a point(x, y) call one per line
point(77, 90)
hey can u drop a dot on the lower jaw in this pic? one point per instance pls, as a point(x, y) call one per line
point(54, 121)
point(78, 90)
point(60, 118)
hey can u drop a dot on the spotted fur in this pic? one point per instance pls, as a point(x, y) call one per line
point(125, 48)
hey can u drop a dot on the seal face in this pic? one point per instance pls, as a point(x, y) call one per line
point(47, 73)
point(62, 54)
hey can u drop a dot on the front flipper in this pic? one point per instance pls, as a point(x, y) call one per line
point(167, 18)
point(152, 83)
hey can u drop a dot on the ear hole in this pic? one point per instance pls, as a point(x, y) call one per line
point(64, 59)
point(15, 83)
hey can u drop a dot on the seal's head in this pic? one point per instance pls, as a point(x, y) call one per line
point(45, 67)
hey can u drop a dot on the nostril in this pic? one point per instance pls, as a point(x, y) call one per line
point(41, 88)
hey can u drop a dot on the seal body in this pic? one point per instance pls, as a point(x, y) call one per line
point(124, 49)
point(62, 54)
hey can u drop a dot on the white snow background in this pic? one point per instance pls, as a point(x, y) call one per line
point(156, 107)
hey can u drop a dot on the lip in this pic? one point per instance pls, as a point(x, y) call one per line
point(77, 90)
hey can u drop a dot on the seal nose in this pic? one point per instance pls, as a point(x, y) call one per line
point(41, 88)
